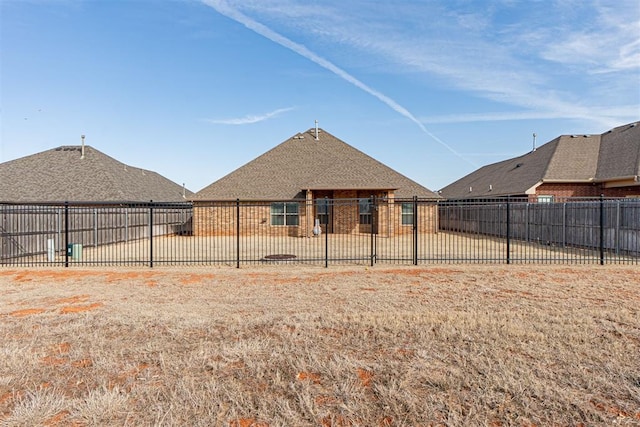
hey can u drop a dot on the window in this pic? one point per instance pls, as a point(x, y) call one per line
point(545, 199)
point(284, 214)
point(364, 207)
point(407, 214)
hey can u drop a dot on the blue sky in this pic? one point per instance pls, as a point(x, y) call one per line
point(194, 89)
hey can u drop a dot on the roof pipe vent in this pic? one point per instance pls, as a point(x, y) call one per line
point(316, 130)
point(82, 147)
point(534, 141)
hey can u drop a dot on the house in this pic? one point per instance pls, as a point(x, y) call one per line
point(314, 176)
point(568, 166)
point(82, 174)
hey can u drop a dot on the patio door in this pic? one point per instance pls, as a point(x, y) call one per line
point(324, 213)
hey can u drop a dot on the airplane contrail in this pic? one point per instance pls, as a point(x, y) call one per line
point(223, 8)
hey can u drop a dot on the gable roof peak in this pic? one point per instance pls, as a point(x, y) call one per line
point(301, 163)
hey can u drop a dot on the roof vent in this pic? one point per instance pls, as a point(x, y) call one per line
point(519, 165)
point(82, 149)
point(490, 187)
point(470, 189)
point(574, 136)
point(633, 125)
point(316, 130)
point(586, 136)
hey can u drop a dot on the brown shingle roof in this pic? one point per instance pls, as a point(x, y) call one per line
point(302, 163)
point(620, 153)
point(60, 174)
point(566, 158)
point(575, 159)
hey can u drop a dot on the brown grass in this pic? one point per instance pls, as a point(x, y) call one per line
point(300, 346)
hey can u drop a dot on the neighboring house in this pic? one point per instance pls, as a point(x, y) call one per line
point(568, 166)
point(82, 174)
point(314, 176)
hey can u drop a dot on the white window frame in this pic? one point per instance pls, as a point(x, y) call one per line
point(406, 217)
point(290, 214)
point(546, 198)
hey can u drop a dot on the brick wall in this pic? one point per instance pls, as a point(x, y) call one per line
point(562, 191)
point(219, 218)
point(622, 191)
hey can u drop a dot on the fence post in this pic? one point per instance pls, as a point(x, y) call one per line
point(237, 233)
point(564, 224)
point(415, 230)
point(601, 229)
point(59, 225)
point(617, 232)
point(95, 227)
point(373, 215)
point(528, 221)
point(508, 231)
point(326, 232)
point(151, 234)
point(66, 234)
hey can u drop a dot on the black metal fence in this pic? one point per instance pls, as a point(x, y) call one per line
point(320, 231)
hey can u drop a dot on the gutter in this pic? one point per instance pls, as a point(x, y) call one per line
point(568, 181)
point(634, 178)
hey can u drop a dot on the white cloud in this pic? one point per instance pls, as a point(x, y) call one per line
point(610, 117)
point(225, 9)
point(250, 119)
point(540, 56)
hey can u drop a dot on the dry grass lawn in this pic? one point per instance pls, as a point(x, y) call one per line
point(305, 346)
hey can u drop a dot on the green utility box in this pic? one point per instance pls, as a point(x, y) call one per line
point(74, 250)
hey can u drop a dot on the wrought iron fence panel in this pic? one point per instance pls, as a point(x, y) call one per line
point(321, 231)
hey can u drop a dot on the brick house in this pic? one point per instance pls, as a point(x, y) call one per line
point(313, 176)
point(568, 166)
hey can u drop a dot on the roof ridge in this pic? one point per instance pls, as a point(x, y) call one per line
point(553, 154)
point(300, 163)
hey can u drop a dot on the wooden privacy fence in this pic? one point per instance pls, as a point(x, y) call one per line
point(612, 225)
point(321, 231)
point(34, 229)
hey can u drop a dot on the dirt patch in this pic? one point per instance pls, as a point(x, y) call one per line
point(27, 312)
point(309, 376)
point(365, 376)
point(53, 361)
point(79, 308)
point(72, 300)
